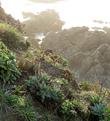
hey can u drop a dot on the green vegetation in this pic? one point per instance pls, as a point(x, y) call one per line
point(18, 107)
point(22, 107)
point(72, 109)
point(98, 111)
point(12, 38)
point(8, 67)
point(36, 85)
point(44, 89)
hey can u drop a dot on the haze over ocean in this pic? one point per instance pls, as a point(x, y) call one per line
point(73, 12)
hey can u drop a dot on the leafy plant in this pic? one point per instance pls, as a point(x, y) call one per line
point(37, 81)
point(21, 107)
point(19, 90)
point(60, 81)
point(26, 112)
point(71, 108)
point(3, 104)
point(43, 89)
point(107, 114)
point(94, 99)
point(98, 111)
point(85, 85)
point(50, 94)
point(9, 71)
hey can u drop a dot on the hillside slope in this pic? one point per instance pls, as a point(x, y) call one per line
point(37, 85)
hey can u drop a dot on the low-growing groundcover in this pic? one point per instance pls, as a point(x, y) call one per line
point(15, 108)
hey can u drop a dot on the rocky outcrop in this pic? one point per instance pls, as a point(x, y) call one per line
point(43, 65)
point(94, 66)
point(65, 42)
point(88, 52)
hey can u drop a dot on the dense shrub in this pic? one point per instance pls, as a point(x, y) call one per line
point(94, 99)
point(12, 38)
point(41, 87)
point(97, 106)
point(98, 112)
point(72, 109)
point(85, 85)
point(9, 71)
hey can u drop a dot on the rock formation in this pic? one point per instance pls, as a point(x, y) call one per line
point(88, 52)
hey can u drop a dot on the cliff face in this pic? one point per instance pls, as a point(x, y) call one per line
point(88, 52)
point(94, 66)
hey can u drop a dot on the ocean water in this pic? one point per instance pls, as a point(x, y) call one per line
point(91, 13)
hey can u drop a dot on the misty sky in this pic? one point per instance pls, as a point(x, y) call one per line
point(73, 12)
